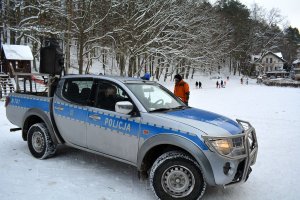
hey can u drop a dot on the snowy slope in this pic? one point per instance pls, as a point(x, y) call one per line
point(74, 174)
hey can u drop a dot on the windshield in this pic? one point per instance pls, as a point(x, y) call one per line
point(155, 97)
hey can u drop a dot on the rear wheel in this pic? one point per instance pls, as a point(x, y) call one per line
point(39, 141)
point(175, 175)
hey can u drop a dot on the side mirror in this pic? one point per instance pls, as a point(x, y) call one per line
point(124, 107)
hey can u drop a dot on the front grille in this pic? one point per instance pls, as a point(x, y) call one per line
point(237, 142)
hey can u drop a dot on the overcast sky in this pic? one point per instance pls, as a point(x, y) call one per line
point(290, 9)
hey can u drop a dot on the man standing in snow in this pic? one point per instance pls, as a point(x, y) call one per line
point(182, 89)
point(217, 84)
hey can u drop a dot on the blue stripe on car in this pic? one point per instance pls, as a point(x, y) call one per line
point(116, 123)
point(154, 130)
point(209, 117)
point(121, 125)
point(29, 103)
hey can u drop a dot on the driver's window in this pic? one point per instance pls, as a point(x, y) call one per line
point(108, 94)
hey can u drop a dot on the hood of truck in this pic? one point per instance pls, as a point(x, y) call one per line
point(208, 122)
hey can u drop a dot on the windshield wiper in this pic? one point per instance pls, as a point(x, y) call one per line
point(160, 109)
point(180, 107)
point(167, 109)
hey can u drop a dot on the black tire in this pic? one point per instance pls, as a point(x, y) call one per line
point(175, 175)
point(39, 141)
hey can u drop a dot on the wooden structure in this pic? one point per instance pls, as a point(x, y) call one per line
point(15, 59)
point(6, 86)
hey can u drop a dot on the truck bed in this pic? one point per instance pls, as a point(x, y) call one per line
point(20, 103)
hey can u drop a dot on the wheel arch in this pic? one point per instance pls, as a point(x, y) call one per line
point(153, 147)
point(34, 116)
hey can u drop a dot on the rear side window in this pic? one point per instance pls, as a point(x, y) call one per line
point(77, 90)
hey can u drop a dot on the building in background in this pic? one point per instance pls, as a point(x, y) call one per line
point(296, 69)
point(269, 62)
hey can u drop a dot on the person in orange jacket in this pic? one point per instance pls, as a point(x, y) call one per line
point(182, 89)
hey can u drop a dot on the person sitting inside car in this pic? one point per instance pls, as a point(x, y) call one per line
point(108, 100)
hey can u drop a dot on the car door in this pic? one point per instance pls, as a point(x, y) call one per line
point(109, 132)
point(70, 109)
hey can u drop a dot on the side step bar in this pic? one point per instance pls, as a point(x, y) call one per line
point(15, 129)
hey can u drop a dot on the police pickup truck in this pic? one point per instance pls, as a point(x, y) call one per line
point(181, 149)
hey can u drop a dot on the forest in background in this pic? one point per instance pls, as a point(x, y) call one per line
point(163, 37)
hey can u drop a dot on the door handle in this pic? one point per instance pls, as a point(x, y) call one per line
point(59, 108)
point(95, 117)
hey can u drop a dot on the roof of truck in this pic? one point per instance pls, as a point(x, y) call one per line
point(107, 77)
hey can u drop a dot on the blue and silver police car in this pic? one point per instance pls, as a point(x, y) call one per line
point(181, 149)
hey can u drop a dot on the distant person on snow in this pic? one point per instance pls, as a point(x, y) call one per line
point(222, 84)
point(196, 84)
point(217, 84)
point(181, 89)
point(200, 84)
point(242, 80)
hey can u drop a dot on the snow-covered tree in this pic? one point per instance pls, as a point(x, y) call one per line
point(86, 20)
point(159, 36)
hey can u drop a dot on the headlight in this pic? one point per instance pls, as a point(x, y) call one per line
point(231, 147)
point(224, 146)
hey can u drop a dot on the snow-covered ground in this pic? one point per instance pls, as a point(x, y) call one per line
point(74, 174)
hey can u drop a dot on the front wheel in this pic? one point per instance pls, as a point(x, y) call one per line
point(39, 141)
point(175, 175)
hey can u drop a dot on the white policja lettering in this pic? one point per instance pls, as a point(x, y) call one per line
point(116, 124)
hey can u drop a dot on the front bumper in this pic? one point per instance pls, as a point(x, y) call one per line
point(236, 169)
point(244, 168)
